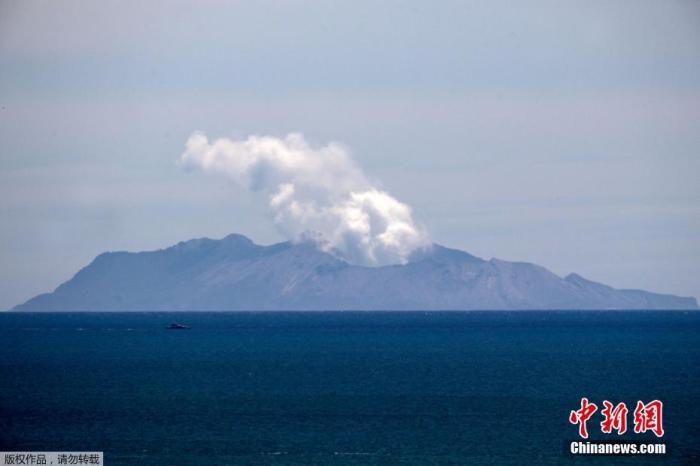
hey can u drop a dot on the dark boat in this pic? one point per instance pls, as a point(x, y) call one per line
point(176, 326)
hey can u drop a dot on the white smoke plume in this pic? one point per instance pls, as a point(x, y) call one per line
point(315, 193)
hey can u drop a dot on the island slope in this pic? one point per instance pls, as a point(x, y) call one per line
point(236, 274)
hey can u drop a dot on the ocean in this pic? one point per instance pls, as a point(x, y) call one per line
point(343, 387)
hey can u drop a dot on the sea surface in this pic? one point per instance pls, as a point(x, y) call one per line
point(342, 387)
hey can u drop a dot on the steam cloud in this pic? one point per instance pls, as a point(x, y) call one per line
point(315, 193)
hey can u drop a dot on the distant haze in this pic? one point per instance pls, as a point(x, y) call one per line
point(561, 133)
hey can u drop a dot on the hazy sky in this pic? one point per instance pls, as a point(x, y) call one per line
point(561, 133)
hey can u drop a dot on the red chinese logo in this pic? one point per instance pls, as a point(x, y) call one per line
point(615, 418)
point(582, 416)
point(647, 417)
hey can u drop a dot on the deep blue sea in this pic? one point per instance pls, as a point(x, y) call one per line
point(342, 387)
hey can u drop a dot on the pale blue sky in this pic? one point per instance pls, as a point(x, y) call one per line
point(561, 133)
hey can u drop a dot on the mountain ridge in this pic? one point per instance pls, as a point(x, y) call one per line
point(234, 273)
